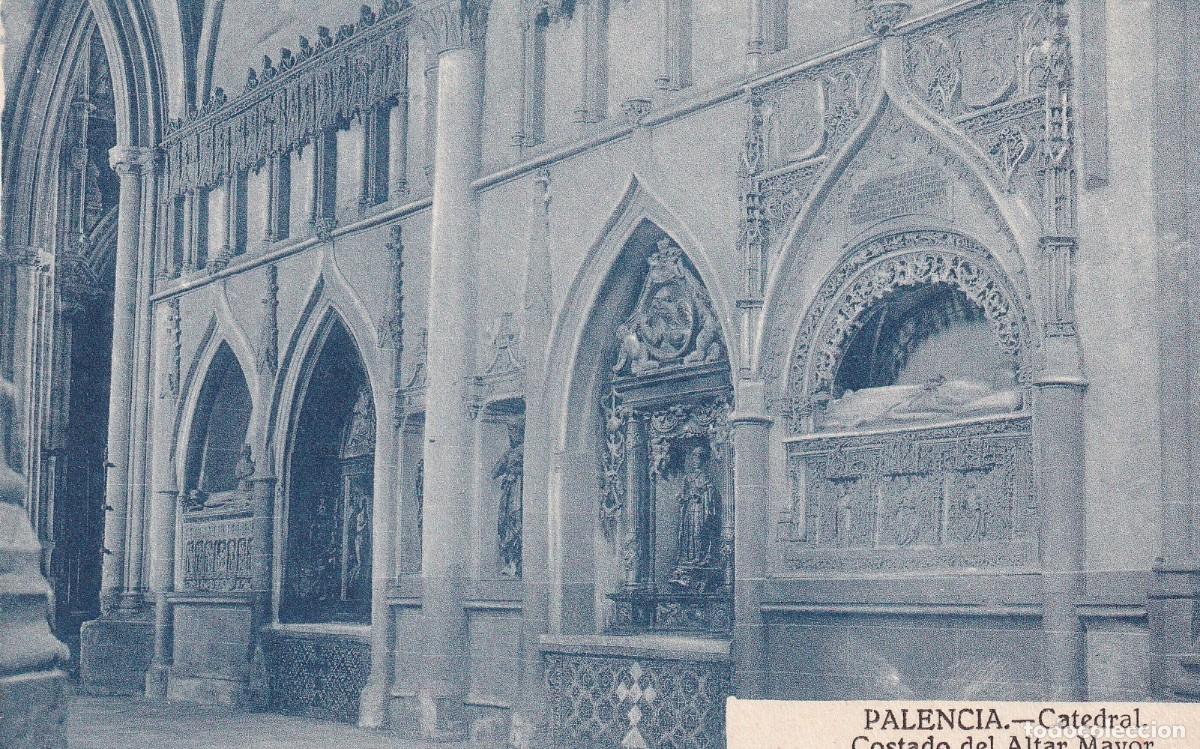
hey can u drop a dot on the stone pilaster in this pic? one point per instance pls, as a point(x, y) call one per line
point(455, 31)
point(162, 579)
point(751, 430)
point(528, 722)
point(1058, 424)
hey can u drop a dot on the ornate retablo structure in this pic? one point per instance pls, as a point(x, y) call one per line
point(539, 373)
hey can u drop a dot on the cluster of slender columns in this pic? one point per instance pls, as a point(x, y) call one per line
point(122, 581)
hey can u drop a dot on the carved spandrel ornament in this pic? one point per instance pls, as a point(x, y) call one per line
point(673, 323)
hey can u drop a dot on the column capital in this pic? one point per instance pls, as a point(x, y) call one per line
point(131, 160)
point(454, 24)
point(26, 255)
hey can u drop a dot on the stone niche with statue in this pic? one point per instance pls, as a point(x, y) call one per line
point(667, 497)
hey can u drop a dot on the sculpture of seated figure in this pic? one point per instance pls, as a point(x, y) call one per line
point(938, 398)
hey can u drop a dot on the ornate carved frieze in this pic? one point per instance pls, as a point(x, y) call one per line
point(635, 702)
point(454, 24)
point(673, 323)
point(939, 497)
point(874, 271)
point(285, 105)
point(268, 345)
point(217, 556)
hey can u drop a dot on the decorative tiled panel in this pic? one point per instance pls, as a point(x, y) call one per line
point(608, 702)
point(319, 677)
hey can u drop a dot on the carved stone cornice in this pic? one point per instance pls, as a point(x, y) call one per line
point(454, 24)
point(131, 160)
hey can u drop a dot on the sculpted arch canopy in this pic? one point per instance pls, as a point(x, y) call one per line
point(909, 441)
point(874, 274)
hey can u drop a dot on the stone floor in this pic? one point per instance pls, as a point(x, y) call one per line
point(127, 723)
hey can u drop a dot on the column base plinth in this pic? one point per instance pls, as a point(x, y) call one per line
point(115, 652)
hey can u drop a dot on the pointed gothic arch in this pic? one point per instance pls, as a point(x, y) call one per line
point(218, 464)
point(328, 484)
point(641, 266)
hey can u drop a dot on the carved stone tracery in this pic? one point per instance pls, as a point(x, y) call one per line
point(874, 271)
point(285, 106)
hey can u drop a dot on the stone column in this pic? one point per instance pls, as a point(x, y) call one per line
point(127, 162)
point(139, 462)
point(115, 650)
point(162, 581)
point(455, 31)
point(751, 456)
point(1058, 426)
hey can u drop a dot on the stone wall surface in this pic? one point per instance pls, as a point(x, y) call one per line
point(476, 192)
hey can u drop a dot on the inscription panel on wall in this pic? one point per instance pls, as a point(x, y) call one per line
point(217, 556)
point(949, 497)
point(920, 189)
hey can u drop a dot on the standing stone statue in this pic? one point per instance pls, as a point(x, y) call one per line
point(509, 471)
point(697, 510)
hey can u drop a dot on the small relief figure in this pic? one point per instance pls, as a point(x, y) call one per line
point(360, 436)
point(708, 347)
point(632, 354)
point(508, 472)
point(359, 536)
point(697, 510)
point(244, 470)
